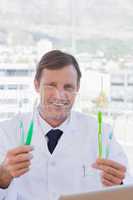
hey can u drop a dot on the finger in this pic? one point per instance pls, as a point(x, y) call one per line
point(19, 166)
point(19, 172)
point(21, 149)
point(19, 158)
point(112, 171)
point(111, 163)
point(23, 157)
point(112, 179)
point(106, 182)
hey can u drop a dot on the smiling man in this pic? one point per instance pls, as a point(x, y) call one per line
point(58, 87)
point(62, 158)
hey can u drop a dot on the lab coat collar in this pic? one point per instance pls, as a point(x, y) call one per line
point(69, 128)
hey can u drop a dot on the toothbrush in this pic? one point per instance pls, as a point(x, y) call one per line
point(108, 146)
point(21, 126)
point(31, 127)
point(100, 134)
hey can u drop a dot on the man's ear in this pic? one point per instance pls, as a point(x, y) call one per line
point(37, 86)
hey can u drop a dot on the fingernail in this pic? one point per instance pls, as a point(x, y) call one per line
point(94, 165)
point(31, 148)
point(30, 156)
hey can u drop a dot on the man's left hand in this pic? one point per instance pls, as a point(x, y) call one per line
point(113, 172)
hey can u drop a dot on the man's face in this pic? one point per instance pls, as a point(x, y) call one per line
point(57, 90)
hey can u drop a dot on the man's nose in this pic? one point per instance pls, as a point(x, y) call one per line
point(59, 93)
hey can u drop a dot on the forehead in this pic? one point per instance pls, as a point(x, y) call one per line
point(65, 74)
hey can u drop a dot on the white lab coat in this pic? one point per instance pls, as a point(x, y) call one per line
point(68, 170)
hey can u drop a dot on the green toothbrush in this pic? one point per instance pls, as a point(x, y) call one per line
point(100, 134)
point(31, 127)
point(30, 133)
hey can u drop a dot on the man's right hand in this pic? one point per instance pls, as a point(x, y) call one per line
point(15, 164)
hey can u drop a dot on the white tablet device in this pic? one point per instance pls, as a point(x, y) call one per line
point(112, 193)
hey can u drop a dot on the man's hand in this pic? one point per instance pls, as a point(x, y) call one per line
point(113, 172)
point(16, 163)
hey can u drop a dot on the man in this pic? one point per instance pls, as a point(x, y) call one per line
point(62, 158)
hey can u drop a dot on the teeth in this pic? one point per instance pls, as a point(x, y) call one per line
point(58, 104)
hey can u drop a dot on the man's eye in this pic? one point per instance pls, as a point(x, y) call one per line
point(51, 86)
point(70, 89)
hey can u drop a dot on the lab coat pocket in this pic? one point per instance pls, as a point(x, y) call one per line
point(21, 197)
point(70, 172)
point(91, 179)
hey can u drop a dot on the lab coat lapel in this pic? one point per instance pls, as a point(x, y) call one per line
point(68, 138)
point(39, 141)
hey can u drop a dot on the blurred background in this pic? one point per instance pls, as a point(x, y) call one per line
point(98, 33)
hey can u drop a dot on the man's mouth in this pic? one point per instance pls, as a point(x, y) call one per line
point(59, 104)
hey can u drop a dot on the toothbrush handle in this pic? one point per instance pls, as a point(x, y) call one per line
point(30, 133)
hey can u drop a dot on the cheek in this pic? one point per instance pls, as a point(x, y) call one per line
point(45, 96)
point(45, 99)
point(71, 100)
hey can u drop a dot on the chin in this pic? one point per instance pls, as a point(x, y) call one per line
point(58, 116)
